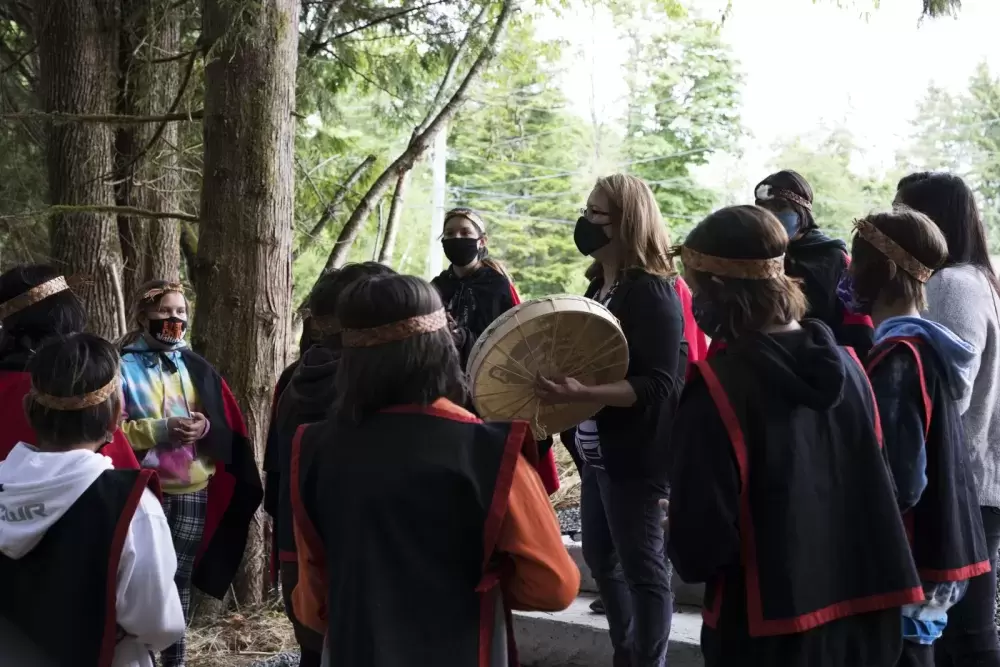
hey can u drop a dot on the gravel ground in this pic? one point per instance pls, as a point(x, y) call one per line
point(280, 660)
point(569, 519)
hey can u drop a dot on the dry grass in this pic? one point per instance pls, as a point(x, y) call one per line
point(568, 494)
point(239, 639)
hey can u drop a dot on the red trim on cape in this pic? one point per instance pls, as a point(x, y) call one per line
point(442, 408)
point(877, 420)
point(714, 348)
point(309, 532)
point(956, 574)
point(489, 586)
point(759, 626)
point(696, 340)
point(925, 395)
point(515, 297)
point(223, 483)
point(146, 479)
point(926, 574)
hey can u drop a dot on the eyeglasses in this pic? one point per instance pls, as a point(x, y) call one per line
point(590, 212)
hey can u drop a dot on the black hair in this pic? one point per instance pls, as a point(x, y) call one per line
point(950, 204)
point(321, 327)
point(415, 370)
point(794, 182)
point(73, 366)
point(56, 315)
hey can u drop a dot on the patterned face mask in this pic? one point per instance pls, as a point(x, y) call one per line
point(169, 331)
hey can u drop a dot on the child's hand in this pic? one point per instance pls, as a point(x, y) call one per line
point(665, 506)
point(198, 427)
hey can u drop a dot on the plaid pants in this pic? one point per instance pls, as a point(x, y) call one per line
point(186, 517)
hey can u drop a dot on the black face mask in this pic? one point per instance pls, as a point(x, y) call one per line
point(169, 331)
point(589, 236)
point(460, 251)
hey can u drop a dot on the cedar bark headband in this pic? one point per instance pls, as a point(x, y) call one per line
point(766, 193)
point(893, 251)
point(33, 296)
point(88, 400)
point(744, 269)
point(395, 331)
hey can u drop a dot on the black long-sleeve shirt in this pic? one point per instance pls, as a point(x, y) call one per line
point(649, 311)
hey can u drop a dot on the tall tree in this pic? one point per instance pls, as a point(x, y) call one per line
point(521, 158)
point(78, 46)
point(146, 174)
point(683, 105)
point(243, 271)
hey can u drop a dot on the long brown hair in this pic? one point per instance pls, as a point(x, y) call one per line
point(642, 235)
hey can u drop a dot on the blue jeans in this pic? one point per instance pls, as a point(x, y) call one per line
point(624, 548)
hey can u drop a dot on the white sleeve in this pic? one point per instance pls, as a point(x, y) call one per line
point(148, 605)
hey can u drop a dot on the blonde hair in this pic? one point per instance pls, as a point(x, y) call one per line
point(146, 297)
point(642, 236)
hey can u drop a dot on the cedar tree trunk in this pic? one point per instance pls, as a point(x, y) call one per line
point(78, 48)
point(243, 275)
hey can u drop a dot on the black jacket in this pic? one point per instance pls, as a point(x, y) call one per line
point(820, 262)
point(782, 504)
point(474, 302)
point(633, 439)
point(307, 398)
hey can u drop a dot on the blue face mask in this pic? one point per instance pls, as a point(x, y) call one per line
point(849, 298)
point(790, 221)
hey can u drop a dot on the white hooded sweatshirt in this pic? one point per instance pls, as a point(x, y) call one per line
point(148, 606)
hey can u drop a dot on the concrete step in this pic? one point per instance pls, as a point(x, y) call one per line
point(577, 637)
point(684, 594)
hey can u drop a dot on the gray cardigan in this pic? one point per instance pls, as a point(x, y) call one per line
point(961, 298)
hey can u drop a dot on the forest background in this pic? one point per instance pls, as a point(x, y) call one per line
point(242, 146)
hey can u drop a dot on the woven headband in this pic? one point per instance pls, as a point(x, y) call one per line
point(765, 193)
point(326, 325)
point(88, 400)
point(893, 251)
point(33, 296)
point(469, 215)
point(157, 292)
point(394, 331)
point(745, 269)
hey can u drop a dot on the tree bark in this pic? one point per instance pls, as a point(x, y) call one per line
point(419, 144)
point(145, 167)
point(78, 48)
point(395, 213)
point(243, 271)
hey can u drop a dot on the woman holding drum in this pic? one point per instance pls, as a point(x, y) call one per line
point(624, 471)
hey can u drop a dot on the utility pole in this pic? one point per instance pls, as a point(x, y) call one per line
point(439, 185)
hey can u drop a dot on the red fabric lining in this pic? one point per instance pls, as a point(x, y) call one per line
point(488, 584)
point(711, 614)
point(878, 419)
point(925, 395)
point(515, 297)
point(442, 408)
point(146, 478)
point(759, 626)
point(696, 340)
point(956, 574)
point(223, 484)
point(309, 532)
point(287, 557)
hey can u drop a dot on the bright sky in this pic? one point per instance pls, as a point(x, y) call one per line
point(833, 65)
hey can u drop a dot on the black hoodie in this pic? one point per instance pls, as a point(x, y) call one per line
point(474, 302)
point(820, 262)
point(782, 503)
point(307, 398)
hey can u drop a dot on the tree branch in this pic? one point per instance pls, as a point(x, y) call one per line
point(395, 213)
point(418, 145)
point(111, 119)
point(383, 19)
point(316, 43)
point(114, 210)
point(333, 207)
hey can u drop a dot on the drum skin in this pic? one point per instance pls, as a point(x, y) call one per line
point(561, 335)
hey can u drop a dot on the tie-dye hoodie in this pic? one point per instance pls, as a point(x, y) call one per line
point(156, 385)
